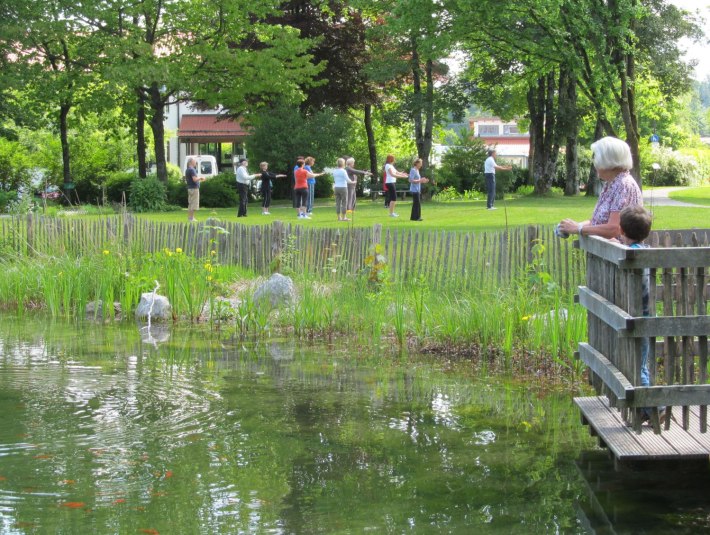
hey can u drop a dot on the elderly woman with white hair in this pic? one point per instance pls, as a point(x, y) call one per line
point(612, 160)
point(353, 174)
point(341, 181)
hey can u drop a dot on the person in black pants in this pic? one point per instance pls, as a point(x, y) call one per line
point(415, 188)
point(243, 181)
point(266, 178)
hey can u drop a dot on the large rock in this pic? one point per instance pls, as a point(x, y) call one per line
point(222, 309)
point(277, 291)
point(95, 309)
point(157, 306)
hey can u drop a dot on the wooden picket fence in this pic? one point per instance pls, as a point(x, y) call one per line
point(489, 258)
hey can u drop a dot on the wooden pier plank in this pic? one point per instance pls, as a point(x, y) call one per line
point(626, 445)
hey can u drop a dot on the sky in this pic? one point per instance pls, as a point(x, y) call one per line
point(698, 51)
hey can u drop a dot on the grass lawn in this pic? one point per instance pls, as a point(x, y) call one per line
point(699, 195)
point(457, 215)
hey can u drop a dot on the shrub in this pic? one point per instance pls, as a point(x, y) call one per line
point(324, 186)
point(14, 165)
point(702, 158)
point(148, 195)
point(177, 194)
point(117, 183)
point(218, 192)
point(7, 197)
point(675, 169)
point(462, 165)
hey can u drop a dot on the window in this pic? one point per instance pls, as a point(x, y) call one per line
point(206, 167)
point(488, 130)
point(208, 148)
point(510, 129)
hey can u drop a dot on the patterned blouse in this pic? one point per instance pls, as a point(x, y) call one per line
point(617, 194)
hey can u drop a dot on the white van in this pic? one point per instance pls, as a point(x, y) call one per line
point(206, 165)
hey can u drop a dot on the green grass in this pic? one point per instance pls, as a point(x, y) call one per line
point(699, 195)
point(456, 215)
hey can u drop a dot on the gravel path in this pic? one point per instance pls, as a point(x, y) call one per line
point(659, 197)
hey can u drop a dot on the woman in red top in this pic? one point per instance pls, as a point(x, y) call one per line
point(302, 175)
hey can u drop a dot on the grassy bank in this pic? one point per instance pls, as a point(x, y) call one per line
point(528, 326)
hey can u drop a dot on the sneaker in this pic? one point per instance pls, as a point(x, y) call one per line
point(307, 216)
point(492, 208)
point(394, 215)
point(345, 219)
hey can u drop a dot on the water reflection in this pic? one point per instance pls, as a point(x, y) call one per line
point(648, 499)
point(104, 430)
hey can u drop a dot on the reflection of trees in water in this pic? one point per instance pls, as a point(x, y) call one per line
point(271, 436)
point(652, 498)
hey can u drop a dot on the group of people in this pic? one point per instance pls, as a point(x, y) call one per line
point(345, 178)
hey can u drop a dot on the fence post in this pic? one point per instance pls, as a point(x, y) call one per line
point(30, 234)
point(532, 236)
point(376, 234)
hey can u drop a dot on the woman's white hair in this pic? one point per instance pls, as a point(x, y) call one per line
point(341, 162)
point(611, 153)
point(350, 161)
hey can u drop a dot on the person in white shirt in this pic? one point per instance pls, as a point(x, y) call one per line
point(391, 176)
point(243, 181)
point(489, 171)
point(341, 181)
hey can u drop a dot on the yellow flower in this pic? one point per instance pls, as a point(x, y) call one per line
point(213, 252)
point(178, 250)
point(106, 252)
point(170, 253)
point(525, 318)
point(209, 278)
point(348, 212)
point(166, 250)
point(208, 267)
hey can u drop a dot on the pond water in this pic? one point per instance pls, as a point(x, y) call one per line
point(106, 429)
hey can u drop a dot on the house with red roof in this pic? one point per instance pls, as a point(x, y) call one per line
point(511, 145)
point(194, 131)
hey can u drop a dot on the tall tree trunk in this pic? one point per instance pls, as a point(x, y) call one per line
point(425, 151)
point(593, 183)
point(140, 135)
point(64, 137)
point(541, 99)
point(417, 107)
point(157, 105)
point(371, 145)
point(569, 128)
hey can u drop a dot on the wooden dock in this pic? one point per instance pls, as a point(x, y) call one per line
point(674, 444)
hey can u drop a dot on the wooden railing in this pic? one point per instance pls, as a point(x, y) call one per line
point(679, 292)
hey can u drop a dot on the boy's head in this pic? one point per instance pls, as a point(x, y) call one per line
point(635, 223)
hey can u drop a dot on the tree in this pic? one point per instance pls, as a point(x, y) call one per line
point(409, 41)
point(220, 53)
point(51, 54)
point(337, 33)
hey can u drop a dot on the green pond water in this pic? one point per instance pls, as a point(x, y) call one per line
point(110, 429)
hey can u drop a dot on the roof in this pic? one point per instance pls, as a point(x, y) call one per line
point(210, 128)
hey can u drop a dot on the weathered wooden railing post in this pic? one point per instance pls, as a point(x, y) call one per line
point(613, 295)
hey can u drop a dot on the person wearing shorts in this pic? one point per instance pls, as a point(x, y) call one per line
point(302, 175)
point(193, 189)
point(391, 176)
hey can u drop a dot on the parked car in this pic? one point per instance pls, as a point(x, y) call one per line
point(206, 165)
